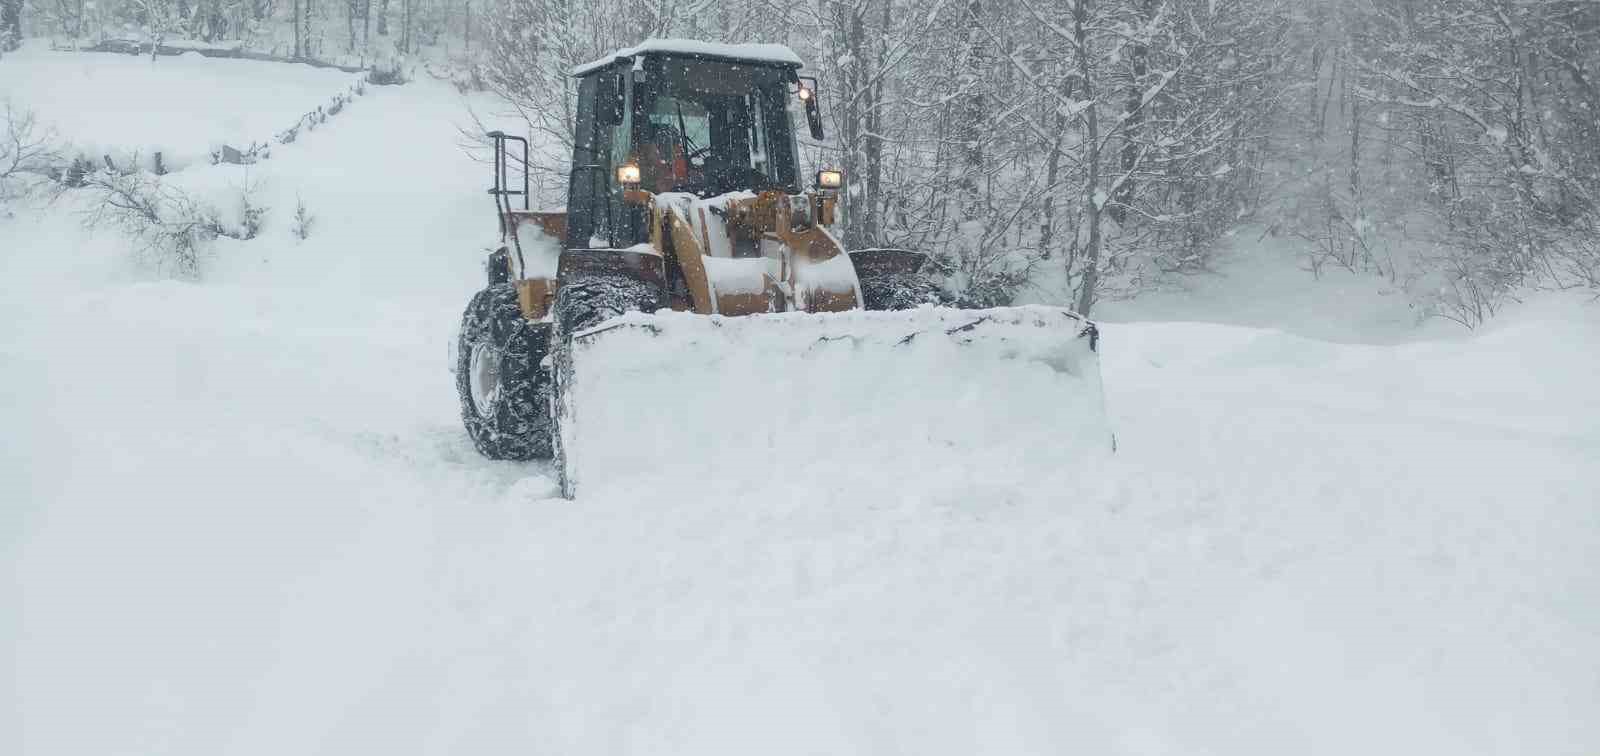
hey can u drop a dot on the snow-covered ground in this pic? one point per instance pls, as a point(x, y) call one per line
point(240, 516)
point(183, 107)
point(1261, 280)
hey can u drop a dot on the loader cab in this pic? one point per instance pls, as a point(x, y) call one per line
point(691, 121)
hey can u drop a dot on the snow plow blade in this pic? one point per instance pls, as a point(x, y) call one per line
point(743, 404)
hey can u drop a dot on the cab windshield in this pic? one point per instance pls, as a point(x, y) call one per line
point(711, 127)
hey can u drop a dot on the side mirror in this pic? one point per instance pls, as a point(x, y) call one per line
point(608, 99)
point(808, 95)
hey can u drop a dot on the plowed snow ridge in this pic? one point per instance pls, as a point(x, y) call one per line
point(853, 402)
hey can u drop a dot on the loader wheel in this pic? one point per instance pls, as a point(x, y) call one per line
point(590, 300)
point(583, 302)
point(900, 291)
point(505, 402)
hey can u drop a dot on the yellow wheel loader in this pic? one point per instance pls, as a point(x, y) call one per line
point(685, 207)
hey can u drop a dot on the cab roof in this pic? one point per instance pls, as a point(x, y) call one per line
point(764, 54)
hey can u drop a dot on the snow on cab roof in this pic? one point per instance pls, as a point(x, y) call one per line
point(765, 53)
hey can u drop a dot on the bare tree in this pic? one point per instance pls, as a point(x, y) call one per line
point(10, 25)
point(171, 228)
point(25, 148)
point(160, 18)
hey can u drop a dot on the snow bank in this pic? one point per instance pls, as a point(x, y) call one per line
point(854, 399)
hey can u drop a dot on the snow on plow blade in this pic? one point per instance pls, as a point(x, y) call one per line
point(832, 400)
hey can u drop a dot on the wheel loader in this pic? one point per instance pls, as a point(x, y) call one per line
point(685, 199)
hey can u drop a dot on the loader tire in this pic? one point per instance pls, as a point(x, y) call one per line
point(590, 300)
point(581, 303)
point(505, 394)
point(900, 291)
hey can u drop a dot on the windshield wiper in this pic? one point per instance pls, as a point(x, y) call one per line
point(683, 131)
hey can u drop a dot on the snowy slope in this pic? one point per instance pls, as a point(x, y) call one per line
point(241, 517)
point(183, 107)
point(1264, 281)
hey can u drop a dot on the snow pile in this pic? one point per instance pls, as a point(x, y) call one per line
point(862, 399)
point(738, 275)
point(183, 107)
point(836, 273)
point(541, 252)
point(705, 217)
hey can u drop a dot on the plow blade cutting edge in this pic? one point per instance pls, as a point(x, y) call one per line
point(848, 398)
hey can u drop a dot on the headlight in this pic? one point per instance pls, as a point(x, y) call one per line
point(830, 179)
point(628, 174)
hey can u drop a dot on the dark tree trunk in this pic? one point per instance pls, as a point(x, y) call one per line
point(852, 118)
point(1139, 57)
point(219, 22)
point(1047, 226)
point(10, 25)
point(1091, 158)
point(306, 31)
point(974, 114)
point(299, 42)
point(873, 146)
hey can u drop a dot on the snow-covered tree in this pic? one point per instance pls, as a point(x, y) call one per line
point(10, 25)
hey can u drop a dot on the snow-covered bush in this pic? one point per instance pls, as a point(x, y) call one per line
point(303, 220)
point(388, 73)
point(983, 275)
point(251, 215)
point(1578, 257)
point(311, 120)
point(26, 149)
point(171, 227)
